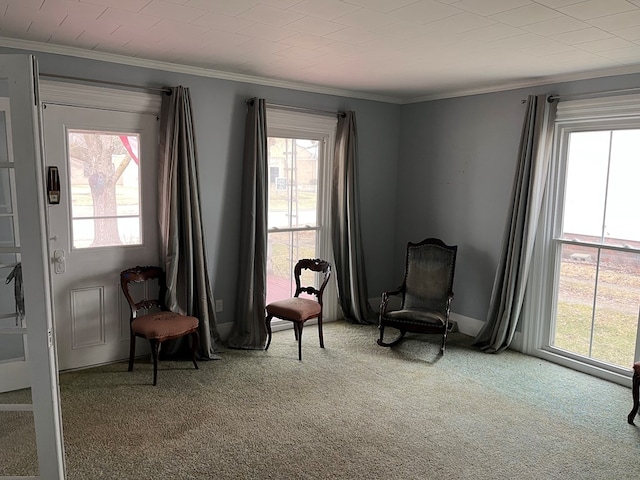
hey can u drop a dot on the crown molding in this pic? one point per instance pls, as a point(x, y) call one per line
point(305, 87)
point(528, 83)
point(189, 70)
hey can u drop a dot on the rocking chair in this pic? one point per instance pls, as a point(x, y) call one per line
point(427, 292)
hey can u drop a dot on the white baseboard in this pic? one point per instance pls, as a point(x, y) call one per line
point(224, 329)
point(466, 325)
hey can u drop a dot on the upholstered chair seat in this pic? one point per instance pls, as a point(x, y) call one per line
point(163, 325)
point(295, 309)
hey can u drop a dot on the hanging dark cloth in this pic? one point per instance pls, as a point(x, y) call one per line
point(181, 231)
point(16, 276)
point(249, 330)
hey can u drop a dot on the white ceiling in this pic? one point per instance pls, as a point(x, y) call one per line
point(393, 50)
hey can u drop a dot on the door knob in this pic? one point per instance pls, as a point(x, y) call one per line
point(59, 261)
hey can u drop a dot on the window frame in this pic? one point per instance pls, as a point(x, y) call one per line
point(599, 114)
point(285, 123)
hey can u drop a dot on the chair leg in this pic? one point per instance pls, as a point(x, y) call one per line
point(298, 327)
point(381, 339)
point(635, 391)
point(132, 350)
point(155, 350)
point(267, 322)
point(195, 340)
point(444, 341)
point(320, 331)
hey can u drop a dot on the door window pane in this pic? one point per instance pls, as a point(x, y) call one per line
point(575, 289)
point(617, 305)
point(7, 237)
point(293, 182)
point(104, 180)
point(4, 146)
point(284, 249)
point(586, 185)
point(5, 192)
point(623, 194)
point(598, 304)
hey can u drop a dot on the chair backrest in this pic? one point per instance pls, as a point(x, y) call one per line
point(315, 265)
point(428, 280)
point(143, 274)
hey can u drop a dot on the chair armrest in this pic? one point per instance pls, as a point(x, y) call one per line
point(448, 310)
point(449, 300)
point(385, 299)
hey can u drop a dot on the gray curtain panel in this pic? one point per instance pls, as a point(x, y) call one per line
point(249, 330)
point(345, 226)
point(522, 222)
point(181, 233)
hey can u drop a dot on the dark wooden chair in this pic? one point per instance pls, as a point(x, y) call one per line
point(635, 392)
point(427, 292)
point(158, 324)
point(299, 310)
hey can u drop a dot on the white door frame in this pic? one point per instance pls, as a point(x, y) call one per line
point(98, 98)
point(29, 177)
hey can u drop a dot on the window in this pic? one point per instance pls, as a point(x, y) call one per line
point(300, 148)
point(293, 211)
point(104, 186)
point(593, 257)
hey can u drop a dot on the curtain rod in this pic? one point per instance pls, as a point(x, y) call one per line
point(106, 82)
point(299, 109)
point(551, 98)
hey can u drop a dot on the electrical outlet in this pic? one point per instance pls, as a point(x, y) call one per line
point(219, 305)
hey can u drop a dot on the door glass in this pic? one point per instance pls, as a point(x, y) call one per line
point(5, 191)
point(293, 211)
point(4, 153)
point(104, 180)
point(11, 344)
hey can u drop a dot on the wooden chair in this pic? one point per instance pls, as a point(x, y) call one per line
point(427, 292)
point(635, 392)
point(299, 310)
point(159, 325)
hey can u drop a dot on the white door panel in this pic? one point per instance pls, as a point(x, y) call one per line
point(91, 242)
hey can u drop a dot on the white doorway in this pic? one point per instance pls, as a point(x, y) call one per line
point(23, 242)
point(105, 222)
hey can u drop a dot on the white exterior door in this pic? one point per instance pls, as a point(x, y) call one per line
point(106, 221)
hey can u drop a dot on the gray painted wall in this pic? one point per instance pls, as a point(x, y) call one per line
point(455, 173)
point(219, 111)
point(440, 168)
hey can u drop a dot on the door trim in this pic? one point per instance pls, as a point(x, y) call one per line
point(78, 95)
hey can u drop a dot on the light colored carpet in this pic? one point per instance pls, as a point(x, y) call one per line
point(351, 411)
